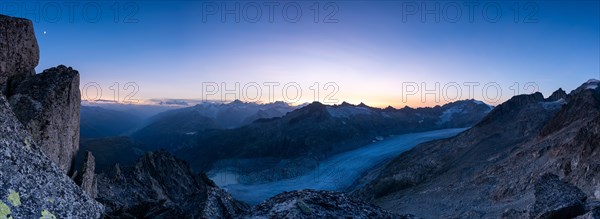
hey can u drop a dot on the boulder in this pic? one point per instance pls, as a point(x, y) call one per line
point(48, 105)
point(19, 51)
point(31, 185)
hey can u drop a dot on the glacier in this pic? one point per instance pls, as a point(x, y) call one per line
point(337, 172)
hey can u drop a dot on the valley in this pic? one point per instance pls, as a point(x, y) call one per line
point(336, 173)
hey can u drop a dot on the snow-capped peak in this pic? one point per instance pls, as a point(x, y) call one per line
point(595, 81)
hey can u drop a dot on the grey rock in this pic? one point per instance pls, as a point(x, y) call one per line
point(19, 51)
point(31, 185)
point(557, 95)
point(557, 199)
point(162, 186)
point(318, 204)
point(87, 179)
point(593, 214)
point(48, 105)
point(514, 214)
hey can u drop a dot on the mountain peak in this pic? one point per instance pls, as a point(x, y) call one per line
point(236, 101)
point(591, 84)
point(557, 95)
point(346, 104)
point(593, 81)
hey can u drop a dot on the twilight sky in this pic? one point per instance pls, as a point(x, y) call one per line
point(374, 51)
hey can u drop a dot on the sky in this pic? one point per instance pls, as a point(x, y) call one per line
point(381, 53)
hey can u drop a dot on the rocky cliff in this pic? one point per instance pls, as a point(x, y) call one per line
point(48, 105)
point(30, 184)
point(19, 51)
point(39, 120)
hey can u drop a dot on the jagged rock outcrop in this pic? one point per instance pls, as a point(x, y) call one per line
point(48, 105)
point(318, 204)
point(30, 184)
point(557, 199)
point(557, 95)
point(162, 186)
point(86, 178)
point(19, 51)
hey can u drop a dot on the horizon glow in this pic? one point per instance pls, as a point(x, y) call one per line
point(370, 51)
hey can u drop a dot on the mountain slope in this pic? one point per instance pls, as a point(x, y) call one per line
point(165, 129)
point(97, 122)
point(492, 168)
point(317, 131)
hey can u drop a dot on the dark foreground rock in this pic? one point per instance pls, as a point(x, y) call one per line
point(318, 204)
point(48, 106)
point(557, 199)
point(30, 184)
point(162, 186)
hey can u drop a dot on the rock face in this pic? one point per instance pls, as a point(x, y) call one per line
point(86, 179)
point(318, 204)
point(557, 95)
point(30, 184)
point(161, 186)
point(491, 169)
point(19, 51)
point(48, 105)
point(557, 199)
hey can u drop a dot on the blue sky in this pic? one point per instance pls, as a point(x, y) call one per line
point(368, 48)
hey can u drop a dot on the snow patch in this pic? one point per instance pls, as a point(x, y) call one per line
point(346, 111)
point(554, 104)
point(592, 81)
point(448, 114)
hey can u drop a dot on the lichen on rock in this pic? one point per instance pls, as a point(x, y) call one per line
point(13, 198)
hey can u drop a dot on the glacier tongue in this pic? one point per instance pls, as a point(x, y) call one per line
point(339, 171)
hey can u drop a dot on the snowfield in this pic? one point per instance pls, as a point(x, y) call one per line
point(337, 172)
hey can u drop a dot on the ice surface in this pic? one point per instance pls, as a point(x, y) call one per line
point(346, 112)
point(340, 171)
point(554, 104)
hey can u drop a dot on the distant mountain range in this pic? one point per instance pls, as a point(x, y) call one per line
point(210, 132)
point(529, 158)
point(314, 132)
